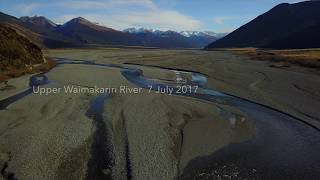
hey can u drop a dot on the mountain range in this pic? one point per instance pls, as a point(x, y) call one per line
point(196, 38)
point(81, 32)
point(284, 26)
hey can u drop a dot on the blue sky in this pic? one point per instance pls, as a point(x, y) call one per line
point(211, 15)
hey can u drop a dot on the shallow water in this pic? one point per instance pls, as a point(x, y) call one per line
point(102, 159)
point(283, 147)
point(34, 81)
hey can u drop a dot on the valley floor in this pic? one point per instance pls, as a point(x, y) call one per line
point(155, 136)
point(292, 89)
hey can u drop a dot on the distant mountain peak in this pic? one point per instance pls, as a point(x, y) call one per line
point(80, 20)
point(84, 22)
point(191, 33)
point(141, 30)
point(38, 20)
point(187, 34)
point(81, 32)
point(202, 34)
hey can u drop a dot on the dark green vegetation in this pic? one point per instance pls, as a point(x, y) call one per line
point(284, 26)
point(16, 51)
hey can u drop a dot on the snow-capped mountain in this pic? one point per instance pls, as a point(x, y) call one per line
point(82, 32)
point(202, 33)
point(196, 33)
point(183, 33)
point(141, 30)
point(196, 38)
point(39, 21)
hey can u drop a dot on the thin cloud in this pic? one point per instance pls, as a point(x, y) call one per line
point(227, 24)
point(223, 19)
point(28, 8)
point(121, 14)
point(159, 19)
point(85, 5)
point(105, 4)
point(220, 19)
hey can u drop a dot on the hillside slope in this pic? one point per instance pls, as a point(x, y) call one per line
point(307, 38)
point(85, 32)
point(164, 39)
point(278, 24)
point(36, 29)
point(17, 51)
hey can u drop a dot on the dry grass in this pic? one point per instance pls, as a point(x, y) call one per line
point(13, 73)
point(283, 58)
